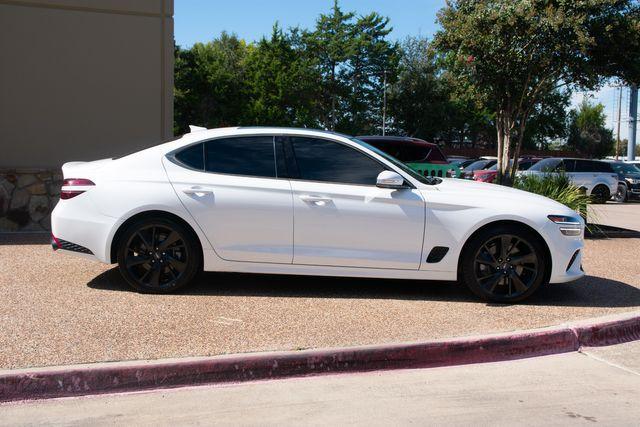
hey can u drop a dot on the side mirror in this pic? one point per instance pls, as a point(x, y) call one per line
point(390, 179)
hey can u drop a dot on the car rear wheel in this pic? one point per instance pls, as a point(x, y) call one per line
point(600, 194)
point(158, 255)
point(504, 264)
point(621, 194)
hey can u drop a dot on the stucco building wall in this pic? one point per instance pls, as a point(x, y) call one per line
point(79, 80)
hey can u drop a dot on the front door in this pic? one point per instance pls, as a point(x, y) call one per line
point(342, 218)
point(231, 188)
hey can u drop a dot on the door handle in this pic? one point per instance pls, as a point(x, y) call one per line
point(198, 191)
point(315, 200)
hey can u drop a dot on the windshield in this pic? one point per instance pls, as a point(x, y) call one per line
point(479, 164)
point(546, 165)
point(625, 167)
point(398, 163)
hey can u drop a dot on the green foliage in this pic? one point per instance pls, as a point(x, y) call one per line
point(282, 82)
point(210, 85)
point(511, 53)
point(587, 132)
point(557, 187)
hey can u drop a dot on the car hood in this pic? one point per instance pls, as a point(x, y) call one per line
point(480, 194)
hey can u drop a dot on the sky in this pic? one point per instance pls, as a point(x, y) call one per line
point(203, 20)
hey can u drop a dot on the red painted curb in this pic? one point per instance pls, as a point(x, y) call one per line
point(608, 333)
point(120, 376)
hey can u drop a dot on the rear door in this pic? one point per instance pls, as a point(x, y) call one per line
point(232, 189)
point(583, 174)
point(342, 218)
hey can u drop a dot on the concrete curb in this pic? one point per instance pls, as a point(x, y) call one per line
point(99, 378)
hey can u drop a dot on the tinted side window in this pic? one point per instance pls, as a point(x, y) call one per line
point(192, 156)
point(602, 167)
point(567, 166)
point(322, 160)
point(252, 156)
point(584, 166)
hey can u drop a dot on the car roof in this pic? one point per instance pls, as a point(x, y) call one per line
point(396, 140)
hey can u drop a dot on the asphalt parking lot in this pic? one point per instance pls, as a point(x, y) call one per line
point(61, 310)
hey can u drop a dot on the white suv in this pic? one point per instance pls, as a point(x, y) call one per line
point(597, 178)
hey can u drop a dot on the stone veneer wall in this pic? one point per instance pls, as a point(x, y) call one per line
point(27, 197)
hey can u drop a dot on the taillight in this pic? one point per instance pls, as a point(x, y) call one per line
point(71, 187)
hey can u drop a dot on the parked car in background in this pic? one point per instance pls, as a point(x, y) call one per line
point(597, 178)
point(480, 164)
point(629, 181)
point(422, 156)
point(489, 175)
point(458, 165)
point(226, 199)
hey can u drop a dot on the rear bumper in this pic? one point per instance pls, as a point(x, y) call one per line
point(79, 229)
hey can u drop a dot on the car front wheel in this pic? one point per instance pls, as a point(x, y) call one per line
point(158, 255)
point(504, 264)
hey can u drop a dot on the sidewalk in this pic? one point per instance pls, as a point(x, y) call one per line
point(597, 385)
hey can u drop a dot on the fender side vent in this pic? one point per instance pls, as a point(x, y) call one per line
point(436, 254)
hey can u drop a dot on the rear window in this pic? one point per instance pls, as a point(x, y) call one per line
point(192, 156)
point(249, 156)
point(602, 167)
point(546, 165)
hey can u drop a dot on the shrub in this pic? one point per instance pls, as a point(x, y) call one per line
point(557, 187)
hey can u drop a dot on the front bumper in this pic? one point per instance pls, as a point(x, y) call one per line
point(566, 254)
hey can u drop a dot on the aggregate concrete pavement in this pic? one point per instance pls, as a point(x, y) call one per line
point(61, 310)
point(622, 215)
point(574, 388)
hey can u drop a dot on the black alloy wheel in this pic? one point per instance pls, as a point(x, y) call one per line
point(600, 194)
point(158, 256)
point(621, 194)
point(504, 265)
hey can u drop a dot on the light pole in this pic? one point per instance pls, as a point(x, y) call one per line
point(633, 119)
point(384, 102)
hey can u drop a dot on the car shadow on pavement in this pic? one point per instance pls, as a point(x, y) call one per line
point(589, 291)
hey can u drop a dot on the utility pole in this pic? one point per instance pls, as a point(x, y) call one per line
point(633, 119)
point(384, 103)
point(618, 136)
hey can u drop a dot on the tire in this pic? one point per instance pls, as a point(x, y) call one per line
point(158, 255)
point(600, 194)
point(490, 269)
point(621, 195)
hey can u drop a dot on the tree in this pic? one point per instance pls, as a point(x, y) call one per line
point(282, 82)
point(587, 132)
point(331, 43)
point(210, 85)
point(424, 103)
point(512, 53)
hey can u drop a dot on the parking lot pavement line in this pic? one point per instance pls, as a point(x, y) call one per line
point(586, 353)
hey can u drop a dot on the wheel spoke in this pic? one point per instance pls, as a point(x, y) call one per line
point(155, 276)
point(132, 261)
point(519, 284)
point(177, 264)
point(144, 241)
point(493, 282)
point(504, 244)
point(524, 259)
point(173, 237)
point(486, 260)
point(513, 246)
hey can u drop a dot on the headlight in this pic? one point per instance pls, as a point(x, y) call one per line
point(569, 226)
point(633, 180)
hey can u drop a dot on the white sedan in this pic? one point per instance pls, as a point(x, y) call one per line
point(307, 202)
